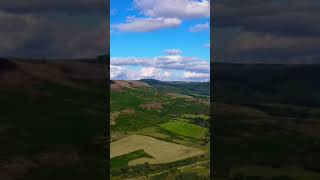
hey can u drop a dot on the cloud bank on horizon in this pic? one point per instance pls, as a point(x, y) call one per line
point(259, 31)
point(142, 29)
point(53, 29)
point(172, 66)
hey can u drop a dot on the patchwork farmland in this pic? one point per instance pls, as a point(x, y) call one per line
point(159, 151)
point(158, 129)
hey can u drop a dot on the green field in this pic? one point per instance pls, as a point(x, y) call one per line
point(157, 111)
point(132, 99)
point(196, 116)
point(185, 129)
point(122, 161)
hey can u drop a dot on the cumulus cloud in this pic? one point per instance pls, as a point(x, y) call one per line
point(207, 45)
point(159, 14)
point(182, 9)
point(167, 74)
point(270, 48)
point(262, 31)
point(40, 6)
point(117, 72)
point(38, 29)
point(161, 67)
point(294, 17)
point(196, 76)
point(134, 24)
point(122, 73)
point(173, 62)
point(149, 72)
point(199, 27)
point(16, 30)
point(173, 51)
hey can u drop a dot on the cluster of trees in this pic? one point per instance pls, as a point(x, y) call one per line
point(146, 168)
point(200, 122)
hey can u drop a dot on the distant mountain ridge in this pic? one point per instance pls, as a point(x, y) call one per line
point(23, 74)
point(177, 86)
point(182, 86)
point(252, 83)
point(6, 65)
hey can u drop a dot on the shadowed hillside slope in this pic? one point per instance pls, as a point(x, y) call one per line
point(52, 119)
point(296, 84)
point(266, 121)
point(181, 86)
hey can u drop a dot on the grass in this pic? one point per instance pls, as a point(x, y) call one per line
point(123, 160)
point(152, 123)
point(185, 129)
point(204, 171)
point(143, 118)
point(162, 151)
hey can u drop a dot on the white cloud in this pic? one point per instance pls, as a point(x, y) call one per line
point(167, 74)
point(207, 45)
point(16, 30)
point(117, 72)
point(183, 9)
point(196, 76)
point(121, 73)
point(167, 67)
point(159, 14)
point(172, 62)
point(124, 61)
point(199, 27)
point(134, 24)
point(149, 72)
point(173, 51)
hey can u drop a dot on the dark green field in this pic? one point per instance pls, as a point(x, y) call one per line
point(266, 120)
point(122, 161)
point(185, 129)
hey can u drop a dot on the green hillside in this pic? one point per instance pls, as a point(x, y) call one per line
point(52, 120)
point(266, 121)
point(173, 114)
point(202, 88)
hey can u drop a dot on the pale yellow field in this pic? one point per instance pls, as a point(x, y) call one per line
point(162, 151)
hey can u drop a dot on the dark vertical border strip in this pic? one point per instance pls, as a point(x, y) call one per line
point(212, 166)
point(107, 99)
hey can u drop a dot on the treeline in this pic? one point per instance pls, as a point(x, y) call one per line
point(146, 168)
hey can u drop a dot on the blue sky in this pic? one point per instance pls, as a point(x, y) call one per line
point(161, 39)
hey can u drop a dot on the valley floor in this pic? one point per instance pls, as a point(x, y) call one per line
point(157, 134)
